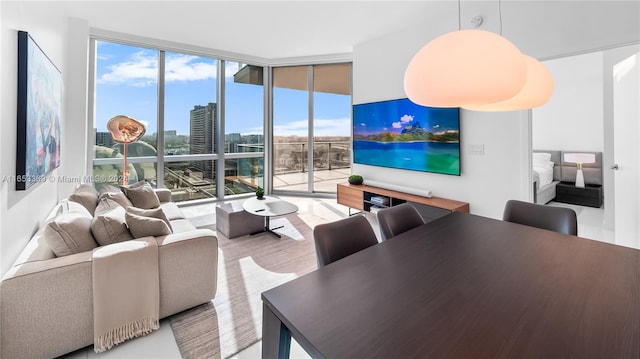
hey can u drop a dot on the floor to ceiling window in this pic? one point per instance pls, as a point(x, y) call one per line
point(185, 108)
point(190, 125)
point(311, 127)
point(205, 122)
point(290, 128)
point(126, 79)
point(244, 128)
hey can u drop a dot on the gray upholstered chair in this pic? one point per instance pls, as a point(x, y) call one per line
point(342, 238)
point(558, 219)
point(398, 219)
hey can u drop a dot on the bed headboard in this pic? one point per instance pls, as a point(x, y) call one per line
point(557, 160)
point(566, 172)
point(592, 171)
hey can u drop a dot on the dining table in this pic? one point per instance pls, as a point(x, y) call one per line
point(464, 286)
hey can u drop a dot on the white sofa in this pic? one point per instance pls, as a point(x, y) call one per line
point(46, 302)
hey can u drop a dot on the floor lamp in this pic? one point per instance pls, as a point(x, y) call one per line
point(579, 159)
point(125, 130)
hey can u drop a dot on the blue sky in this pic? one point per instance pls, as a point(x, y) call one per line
point(126, 84)
point(393, 115)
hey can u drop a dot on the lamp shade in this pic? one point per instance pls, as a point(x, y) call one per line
point(466, 67)
point(124, 129)
point(580, 157)
point(537, 90)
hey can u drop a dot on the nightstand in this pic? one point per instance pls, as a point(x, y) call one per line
point(590, 195)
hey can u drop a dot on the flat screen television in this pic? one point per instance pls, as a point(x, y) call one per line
point(401, 134)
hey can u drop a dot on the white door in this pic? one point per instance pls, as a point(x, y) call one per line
point(626, 131)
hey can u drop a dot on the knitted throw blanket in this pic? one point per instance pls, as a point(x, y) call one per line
point(126, 292)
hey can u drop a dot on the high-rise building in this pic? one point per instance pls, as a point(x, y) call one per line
point(202, 135)
point(104, 139)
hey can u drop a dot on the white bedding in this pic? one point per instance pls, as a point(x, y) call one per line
point(545, 175)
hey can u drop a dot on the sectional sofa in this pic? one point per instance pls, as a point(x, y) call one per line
point(46, 298)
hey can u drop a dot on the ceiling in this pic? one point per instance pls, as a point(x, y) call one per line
point(262, 29)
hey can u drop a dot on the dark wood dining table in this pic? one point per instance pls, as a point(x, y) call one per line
point(464, 286)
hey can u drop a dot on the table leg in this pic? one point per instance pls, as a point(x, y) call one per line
point(267, 228)
point(276, 337)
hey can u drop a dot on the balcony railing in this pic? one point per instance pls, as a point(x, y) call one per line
point(194, 178)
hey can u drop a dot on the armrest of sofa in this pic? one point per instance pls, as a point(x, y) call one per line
point(188, 264)
point(164, 194)
point(46, 307)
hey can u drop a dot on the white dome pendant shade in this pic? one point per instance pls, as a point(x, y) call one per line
point(536, 92)
point(465, 68)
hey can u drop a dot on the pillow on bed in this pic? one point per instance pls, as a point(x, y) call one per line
point(541, 159)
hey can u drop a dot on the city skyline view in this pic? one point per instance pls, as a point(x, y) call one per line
point(127, 81)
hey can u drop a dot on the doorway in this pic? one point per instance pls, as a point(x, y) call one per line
point(595, 109)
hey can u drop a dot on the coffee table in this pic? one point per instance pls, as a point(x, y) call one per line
point(268, 207)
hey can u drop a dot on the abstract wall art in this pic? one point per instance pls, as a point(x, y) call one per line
point(38, 114)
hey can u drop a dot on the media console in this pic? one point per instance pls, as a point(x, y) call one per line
point(360, 197)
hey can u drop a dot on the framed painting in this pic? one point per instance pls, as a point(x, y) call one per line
point(39, 109)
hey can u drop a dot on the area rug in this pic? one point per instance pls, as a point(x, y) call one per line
point(247, 266)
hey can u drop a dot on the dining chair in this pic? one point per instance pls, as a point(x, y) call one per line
point(342, 238)
point(558, 219)
point(398, 219)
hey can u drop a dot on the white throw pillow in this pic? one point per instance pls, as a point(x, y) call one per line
point(541, 159)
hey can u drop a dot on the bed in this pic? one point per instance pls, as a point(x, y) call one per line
point(546, 175)
point(549, 169)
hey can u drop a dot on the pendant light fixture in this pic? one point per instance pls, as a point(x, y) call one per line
point(466, 67)
point(478, 70)
point(536, 91)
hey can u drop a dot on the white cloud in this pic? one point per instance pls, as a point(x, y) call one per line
point(141, 69)
point(396, 125)
point(406, 118)
point(188, 68)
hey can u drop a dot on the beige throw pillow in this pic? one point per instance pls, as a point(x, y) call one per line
point(109, 224)
point(114, 193)
point(86, 195)
point(142, 226)
point(69, 233)
point(153, 213)
point(142, 196)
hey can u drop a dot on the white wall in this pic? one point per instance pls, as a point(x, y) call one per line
point(21, 212)
point(572, 120)
point(503, 172)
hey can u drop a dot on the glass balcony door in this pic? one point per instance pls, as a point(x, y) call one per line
point(291, 128)
point(311, 127)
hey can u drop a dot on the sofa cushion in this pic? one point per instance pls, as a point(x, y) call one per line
point(182, 225)
point(109, 224)
point(114, 193)
point(141, 226)
point(153, 213)
point(172, 211)
point(86, 195)
point(69, 233)
point(141, 196)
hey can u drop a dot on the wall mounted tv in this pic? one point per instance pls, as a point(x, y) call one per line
point(402, 134)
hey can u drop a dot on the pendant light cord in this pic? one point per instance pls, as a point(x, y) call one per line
point(500, 14)
point(459, 23)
